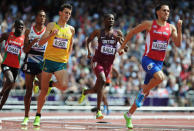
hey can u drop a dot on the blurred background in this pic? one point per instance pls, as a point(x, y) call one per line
point(178, 88)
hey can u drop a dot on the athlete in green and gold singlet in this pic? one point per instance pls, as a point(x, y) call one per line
point(59, 37)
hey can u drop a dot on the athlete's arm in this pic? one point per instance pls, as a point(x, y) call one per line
point(145, 25)
point(177, 34)
point(3, 37)
point(120, 38)
point(71, 43)
point(48, 33)
point(27, 44)
point(90, 38)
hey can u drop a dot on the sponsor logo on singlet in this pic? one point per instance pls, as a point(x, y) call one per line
point(108, 41)
point(159, 45)
point(60, 43)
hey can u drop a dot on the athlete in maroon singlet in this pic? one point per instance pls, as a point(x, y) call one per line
point(11, 60)
point(108, 42)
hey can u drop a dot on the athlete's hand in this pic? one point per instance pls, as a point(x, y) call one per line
point(35, 40)
point(89, 55)
point(121, 51)
point(54, 32)
point(126, 48)
point(179, 24)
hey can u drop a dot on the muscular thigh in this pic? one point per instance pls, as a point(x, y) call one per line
point(62, 76)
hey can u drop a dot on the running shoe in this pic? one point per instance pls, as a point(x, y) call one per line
point(49, 91)
point(82, 97)
point(139, 99)
point(36, 89)
point(128, 121)
point(106, 110)
point(37, 121)
point(25, 121)
point(99, 115)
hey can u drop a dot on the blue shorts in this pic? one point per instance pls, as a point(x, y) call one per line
point(52, 66)
point(150, 66)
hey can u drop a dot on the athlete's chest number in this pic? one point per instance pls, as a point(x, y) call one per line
point(108, 50)
point(13, 49)
point(159, 45)
point(60, 43)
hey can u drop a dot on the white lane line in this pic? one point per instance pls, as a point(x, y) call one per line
point(106, 117)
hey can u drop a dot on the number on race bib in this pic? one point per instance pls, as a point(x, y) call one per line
point(60, 43)
point(108, 50)
point(13, 49)
point(159, 45)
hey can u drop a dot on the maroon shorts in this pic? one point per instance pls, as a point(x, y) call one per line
point(99, 67)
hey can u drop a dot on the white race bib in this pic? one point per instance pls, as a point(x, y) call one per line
point(13, 49)
point(159, 45)
point(60, 43)
point(108, 50)
point(37, 46)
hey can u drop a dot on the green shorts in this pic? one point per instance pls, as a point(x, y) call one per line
point(52, 66)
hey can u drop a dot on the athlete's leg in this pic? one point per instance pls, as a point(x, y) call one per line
point(101, 79)
point(45, 78)
point(94, 89)
point(158, 77)
point(29, 78)
point(62, 79)
point(7, 86)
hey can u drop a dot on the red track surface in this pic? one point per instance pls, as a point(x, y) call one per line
point(92, 124)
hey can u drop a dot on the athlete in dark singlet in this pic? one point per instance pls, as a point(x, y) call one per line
point(11, 60)
point(108, 42)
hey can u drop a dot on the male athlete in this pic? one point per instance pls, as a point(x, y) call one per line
point(109, 41)
point(11, 60)
point(34, 58)
point(158, 33)
point(60, 39)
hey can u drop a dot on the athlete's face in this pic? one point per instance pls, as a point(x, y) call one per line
point(65, 14)
point(19, 27)
point(41, 18)
point(164, 12)
point(109, 20)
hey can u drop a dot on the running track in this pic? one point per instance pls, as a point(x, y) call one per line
point(76, 121)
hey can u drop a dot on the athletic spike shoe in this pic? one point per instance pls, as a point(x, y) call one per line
point(99, 115)
point(49, 91)
point(82, 97)
point(139, 99)
point(128, 121)
point(37, 121)
point(25, 121)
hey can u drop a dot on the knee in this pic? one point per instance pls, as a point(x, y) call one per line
point(102, 81)
point(161, 77)
point(63, 86)
point(10, 82)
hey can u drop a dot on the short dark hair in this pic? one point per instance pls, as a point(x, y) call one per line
point(108, 14)
point(63, 6)
point(38, 12)
point(158, 7)
point(19, 22)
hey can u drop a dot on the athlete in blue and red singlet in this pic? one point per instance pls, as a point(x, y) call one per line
point(108, 42)
point(158, 33)
point(11, 60)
